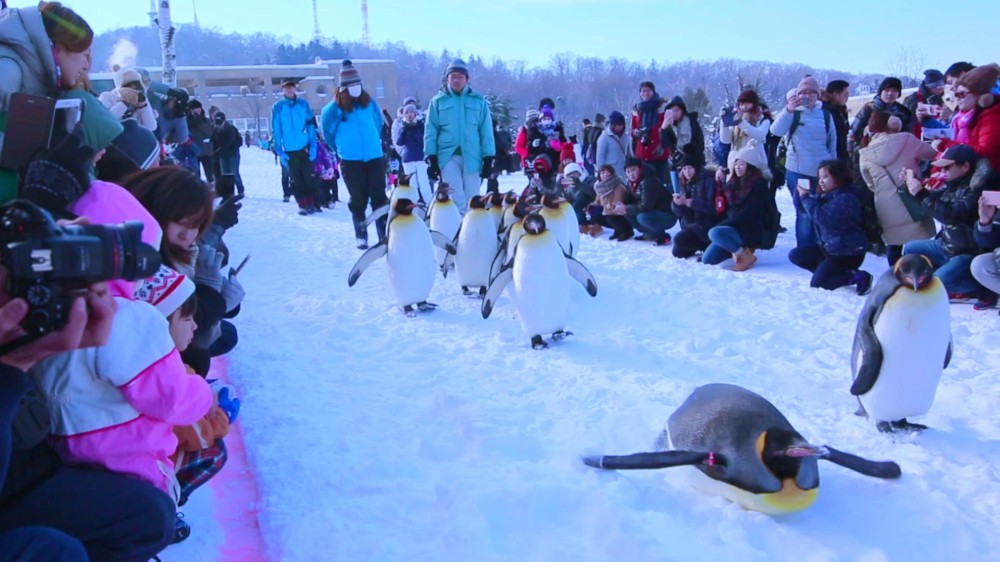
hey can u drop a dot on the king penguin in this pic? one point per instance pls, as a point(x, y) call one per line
point(541, 273)
point(445, 218)
point(556, 221)
point(409, 251)
point(401, 191)
point(902, 344)
point(477, 244)
point(744, 450)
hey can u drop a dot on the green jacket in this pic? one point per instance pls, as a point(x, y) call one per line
point(459, 121)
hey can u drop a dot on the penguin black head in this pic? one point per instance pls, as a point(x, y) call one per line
point(405, 206)
point(784, 450)
point(496, 199)
point(534, 224)
point(478, 202)
point(914, 271)
point(404, 180)
point(442, 195)
point(510, 198)
point(551, 202)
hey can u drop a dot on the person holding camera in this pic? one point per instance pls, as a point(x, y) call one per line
point(681, 132)
point(128, 99)
point(986, 267)
point(695, 207)
point(742, 126)
point(201, 130)
point(647, 121)
point(744, 201)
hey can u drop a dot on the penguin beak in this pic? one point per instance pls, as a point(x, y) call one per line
point(805, 450)
point(913, 282)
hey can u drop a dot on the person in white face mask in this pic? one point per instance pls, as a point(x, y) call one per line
point(352, 126)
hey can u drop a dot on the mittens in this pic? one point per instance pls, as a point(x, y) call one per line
point(232, 293)
point(61, 176)
point(206, 271)
point(129, 96)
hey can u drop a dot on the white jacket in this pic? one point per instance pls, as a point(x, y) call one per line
point(113, 101)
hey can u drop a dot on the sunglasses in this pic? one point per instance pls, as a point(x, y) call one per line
point(961, 95)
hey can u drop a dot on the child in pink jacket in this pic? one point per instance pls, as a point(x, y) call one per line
point(115, 406)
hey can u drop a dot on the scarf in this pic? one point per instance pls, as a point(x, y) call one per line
point(603, 188)
point(652, 104)
point(738, 189)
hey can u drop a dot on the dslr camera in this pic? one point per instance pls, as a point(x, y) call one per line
point(49, 265)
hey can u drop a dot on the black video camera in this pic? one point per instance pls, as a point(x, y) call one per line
point(49, 265)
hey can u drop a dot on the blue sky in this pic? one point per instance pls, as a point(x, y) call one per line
point(849, 35)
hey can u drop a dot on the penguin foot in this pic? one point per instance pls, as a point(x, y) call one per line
point(861, 412)
point(538, 343)
point(903, 425)
point(482, 293)
point(409, 311)
point(561, 335)
point(466, 291)
point(426, 306)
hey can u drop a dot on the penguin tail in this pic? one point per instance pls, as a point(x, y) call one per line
point(646, 461)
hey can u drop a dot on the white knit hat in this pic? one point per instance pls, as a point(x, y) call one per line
point(166, 290)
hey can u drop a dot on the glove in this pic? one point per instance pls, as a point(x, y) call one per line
point(487, 168)
point(232, 292)
point(206, 268)
point(227, 213)
point(284, 159)
point(59, 177)
point(433, 171)
point(225, 396)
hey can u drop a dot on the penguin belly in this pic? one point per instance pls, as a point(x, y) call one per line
point(445, 219)
point(403, 192)
point(411, 260)
point(555, 221)
point(789, 499)
point(477, 246)
point(541, 285)
point(913, 329)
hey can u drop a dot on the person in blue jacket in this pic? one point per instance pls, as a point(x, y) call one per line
point(352, 127)
point(294, 130)
point(836, 211)
point(458, 137)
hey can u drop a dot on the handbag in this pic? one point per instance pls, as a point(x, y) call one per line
point(913, 207)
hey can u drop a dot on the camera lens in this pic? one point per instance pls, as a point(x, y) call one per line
point(131, 258)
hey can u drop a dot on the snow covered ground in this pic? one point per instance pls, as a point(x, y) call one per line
point(446, 437)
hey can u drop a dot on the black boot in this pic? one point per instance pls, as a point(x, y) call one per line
point(360, 233)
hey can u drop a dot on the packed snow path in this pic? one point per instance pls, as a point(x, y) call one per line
point(446, 437)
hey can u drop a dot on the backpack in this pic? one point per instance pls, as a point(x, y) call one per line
point(797, 120)
point(869, 218)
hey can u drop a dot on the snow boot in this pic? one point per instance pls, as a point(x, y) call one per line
point(181, 529)
point(744, 259)
point(862, 281)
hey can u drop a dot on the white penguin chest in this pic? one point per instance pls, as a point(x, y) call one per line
point(541, 284)
point(411, 260)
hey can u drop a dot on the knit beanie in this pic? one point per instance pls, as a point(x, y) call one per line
point(933, 78)
point(808, 84)
point(542, 164)
point(166, 290)
point(457, 65)
point(547, 112)
point(752, 155)
point(531, 115)
point(99, 126)
point(891, 82)
point(567, 152)
point(411, 107)
point(349, 75)
point(138, 143)
point(980, 81)
point(127, 75)
point(616, 118)
point(748, 96)
point(677, 101)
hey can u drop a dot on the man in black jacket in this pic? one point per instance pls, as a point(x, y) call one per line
point(651, 215)
point(227, 142)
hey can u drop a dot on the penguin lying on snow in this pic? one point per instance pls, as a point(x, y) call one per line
point(409, 250)
point(749, 452)
point(901, 344)
point(540, 270)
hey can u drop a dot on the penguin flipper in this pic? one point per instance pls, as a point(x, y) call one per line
point(364, 262)
point(582, 274)
point(947, 355)
point(377, 214)
point(441, 241)
point(643, 461)
point(868, 349)
point(495, 289)
point(887, 470)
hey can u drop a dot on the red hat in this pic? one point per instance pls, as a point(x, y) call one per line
point(542, 164)
point(567, 152)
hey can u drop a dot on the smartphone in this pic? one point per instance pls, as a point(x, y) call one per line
point(992, 198)
point(240, 267)
point(729, 117)
point(909, 174)
point(32, 121)
point(804, 183)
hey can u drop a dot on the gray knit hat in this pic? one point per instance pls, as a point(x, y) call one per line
point(457, 65)
point(349, 75)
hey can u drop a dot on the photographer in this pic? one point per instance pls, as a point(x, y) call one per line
point(647, 120)
point(128, 99)
point(751, 127)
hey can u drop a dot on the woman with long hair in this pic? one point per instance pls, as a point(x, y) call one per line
point(352, 126)
point(742, 230)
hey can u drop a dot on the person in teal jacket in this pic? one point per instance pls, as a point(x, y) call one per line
point(294, 128)
point(352, 127)
point(458, 137)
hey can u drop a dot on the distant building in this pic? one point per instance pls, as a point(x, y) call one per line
point(246, 93)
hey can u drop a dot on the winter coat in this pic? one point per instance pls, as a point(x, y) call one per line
point(582, 193)
point(293, 125)
point(201, 131)
point(984, 136)
point(521, 143)
point(26, 61)
point(811, 143)
point(227, 142)
point(609, 201)
point(354, 136)
point(956, 207)
point(650, 192)
point(653, 150)
point(988, 237)
point(685, 137)
point(143, 115)
point(743, 134)
point(539, 142)
point(837, 216)
point(456, 122)
point(409, 141)
point(842, 123)
point(613, 150)
point(881, 162)
point(865, 115)
point(203, 433)
point(749, 218)
point(325, 165)
point(701, 215)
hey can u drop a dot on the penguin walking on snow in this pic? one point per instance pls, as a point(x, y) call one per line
point(556, 220)
point(409, 251)
point(445, 218)
point(901, 345)
point(401, 191)
point(744, 450)
point(540, 271)
point(476, 245)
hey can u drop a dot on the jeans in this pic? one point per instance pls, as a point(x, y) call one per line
point(805, 230)
point(955, 272)
point(726, 241)
point(40, 544)
point(653, 223)
point(829, 272)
